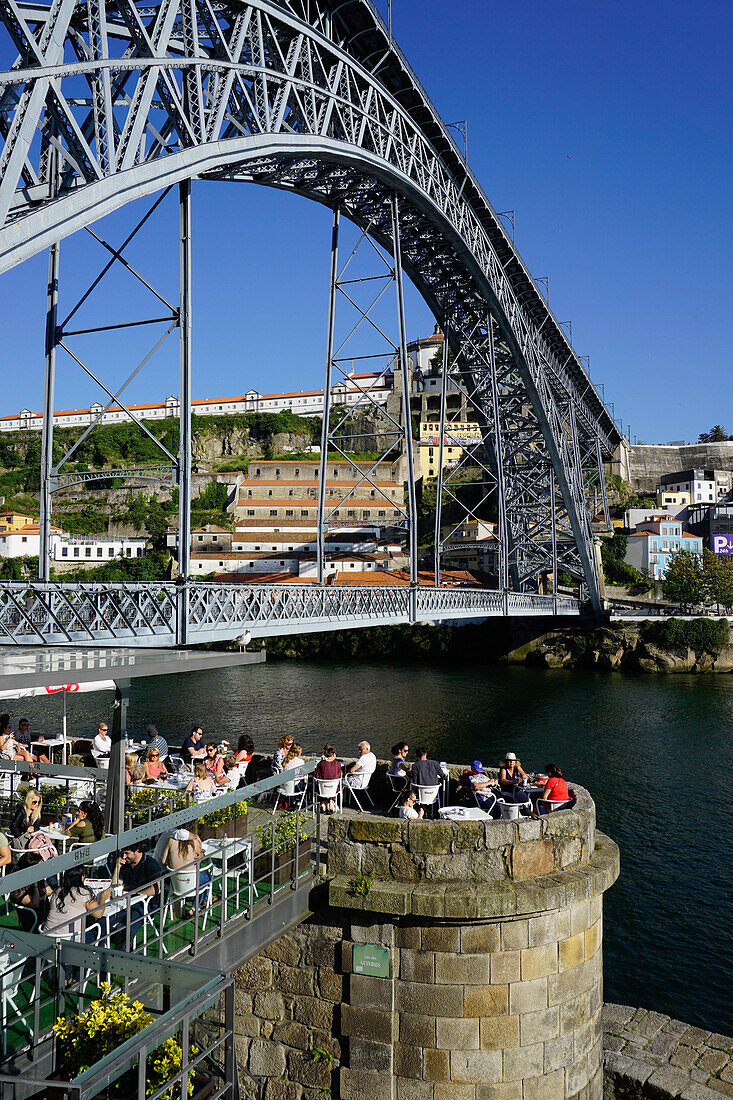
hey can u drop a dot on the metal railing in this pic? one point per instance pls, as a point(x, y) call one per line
point(56, 613)
point(46, 979)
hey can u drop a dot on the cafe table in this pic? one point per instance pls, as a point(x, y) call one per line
point(52, 743)
point(463, 813)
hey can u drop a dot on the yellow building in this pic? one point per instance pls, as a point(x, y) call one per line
point(672, 498)
point(458, 436)
point(14, 521)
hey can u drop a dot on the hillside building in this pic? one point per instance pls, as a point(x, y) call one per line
point(700, 486)
point(654, 541)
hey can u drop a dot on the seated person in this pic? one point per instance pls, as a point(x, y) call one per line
point(245, 749)
point(202, 786)
point(510, 773)
point(23, 738)
point(479, 782)
point(407, 806)
point(137, 774)
point(102, 743)
point(9, 747)
point(70, 901)
point(140, 874)
point(130, 762)
point(192, 749)
point(155, 769)
point(27, 816)
point(399, 766)
point(359, 774)
point(214, 763)
point(155, 741)
point(88, 825)
point(232, 773)
point(424, 772)
point(556, 789)
point(181, 852)
point(278, 757)
point(328, 767)
point(6, 856)
point(34, 896)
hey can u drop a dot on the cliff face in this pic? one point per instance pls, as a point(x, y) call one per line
point(633, 647)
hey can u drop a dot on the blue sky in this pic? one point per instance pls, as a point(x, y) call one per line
point(606, 127)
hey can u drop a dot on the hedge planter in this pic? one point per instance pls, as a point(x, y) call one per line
point(285, 864)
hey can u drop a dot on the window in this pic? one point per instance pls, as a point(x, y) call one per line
point(139, 551)
point(64, 551)
point(201, 538)
point(111, 551)
point(277, 473)
point(250, 511)
point(350, 512)
point(304, 511)
point(76, 551)
point(87, 552)
point(269, 492)
point(99, 551)
point(273, 511)
point(381, 513)
point(128, 552)
point(23, 538)
point(289, 512)
point(258, 547)
point(297, 471)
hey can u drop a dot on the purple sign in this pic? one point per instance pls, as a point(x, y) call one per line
point(723, 544)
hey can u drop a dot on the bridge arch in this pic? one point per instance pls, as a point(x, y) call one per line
point(257, 92)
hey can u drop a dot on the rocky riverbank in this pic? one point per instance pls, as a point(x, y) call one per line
point(700, 645)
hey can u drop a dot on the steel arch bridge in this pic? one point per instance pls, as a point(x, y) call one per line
point(108, 101)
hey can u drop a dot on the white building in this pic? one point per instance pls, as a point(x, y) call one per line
point(96, 549)
point(700, 486)
point(303, 402)
point(26, 543)
point(653, 543)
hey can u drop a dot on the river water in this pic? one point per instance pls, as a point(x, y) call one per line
point(655, 752)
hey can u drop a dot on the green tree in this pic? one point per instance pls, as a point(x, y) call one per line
point(717, 575)
point(717, 434)
point(683, 581)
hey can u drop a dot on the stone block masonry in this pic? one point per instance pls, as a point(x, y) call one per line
point(493, 990)
point(649, 1056)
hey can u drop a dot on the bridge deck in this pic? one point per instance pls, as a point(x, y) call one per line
point(195, 613)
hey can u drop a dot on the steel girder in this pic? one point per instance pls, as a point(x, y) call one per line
point(147, 614)
point(129, 99)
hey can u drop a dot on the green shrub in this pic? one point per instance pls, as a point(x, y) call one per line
point(699, 634)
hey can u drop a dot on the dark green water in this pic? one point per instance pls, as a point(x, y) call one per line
point(655, 752)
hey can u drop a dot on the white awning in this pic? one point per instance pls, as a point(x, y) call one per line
point(58, 689)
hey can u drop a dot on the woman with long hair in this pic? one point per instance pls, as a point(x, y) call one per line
point(202, 786)
point(9, 747)
point(130, 762)
point(278, 757)
point(154, 767)
point(88, 825)
point(328, 767)
point(245, 749)
point(70, 901)
point(27, 816)
point(181, 853)
point(33, 897)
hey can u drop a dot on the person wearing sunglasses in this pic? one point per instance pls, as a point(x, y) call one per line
point(155, 769)
point(214, 763)
point(102, 743)
point(27, 816)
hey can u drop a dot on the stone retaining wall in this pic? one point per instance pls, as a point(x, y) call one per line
point(649, 1056)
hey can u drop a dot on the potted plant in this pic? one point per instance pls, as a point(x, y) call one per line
point(292, 848)
point(53, 803)
point(228, 822)
point(86, 1038)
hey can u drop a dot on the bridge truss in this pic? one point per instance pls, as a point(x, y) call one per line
point(108, 101)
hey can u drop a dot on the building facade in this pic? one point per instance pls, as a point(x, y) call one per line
point(302, 402)
point(701, 486)
point(714, 524)
point(653, 543)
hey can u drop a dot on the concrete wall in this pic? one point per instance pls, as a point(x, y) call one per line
point(494, 935)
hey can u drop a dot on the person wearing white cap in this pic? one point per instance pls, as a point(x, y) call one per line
point(180, 854)
point(510, 773)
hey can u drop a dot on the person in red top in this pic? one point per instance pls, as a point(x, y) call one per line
point(328, 767)
point(556, 789)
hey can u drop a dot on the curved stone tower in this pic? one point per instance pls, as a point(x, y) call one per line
point(489, 981)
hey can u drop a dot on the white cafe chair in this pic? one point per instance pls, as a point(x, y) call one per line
point(293, 789)
point(11, 974)
point(486, 804)
point(325, 790)
point(398, 784)
point(427, 796)
point(510, 811)
point(549, 805)
point(358, 781)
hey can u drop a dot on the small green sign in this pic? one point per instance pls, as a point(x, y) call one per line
point(370, 959)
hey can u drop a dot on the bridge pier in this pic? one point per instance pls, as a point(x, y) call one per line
point(471, 968)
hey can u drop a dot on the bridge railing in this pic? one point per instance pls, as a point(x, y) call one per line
point(64, 613)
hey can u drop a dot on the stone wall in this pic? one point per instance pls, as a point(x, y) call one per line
point(494, 938)
point(649, 1056)
point(646, 464)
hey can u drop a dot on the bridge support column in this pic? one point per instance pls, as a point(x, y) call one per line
point(184, 447)
point(49, 382)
